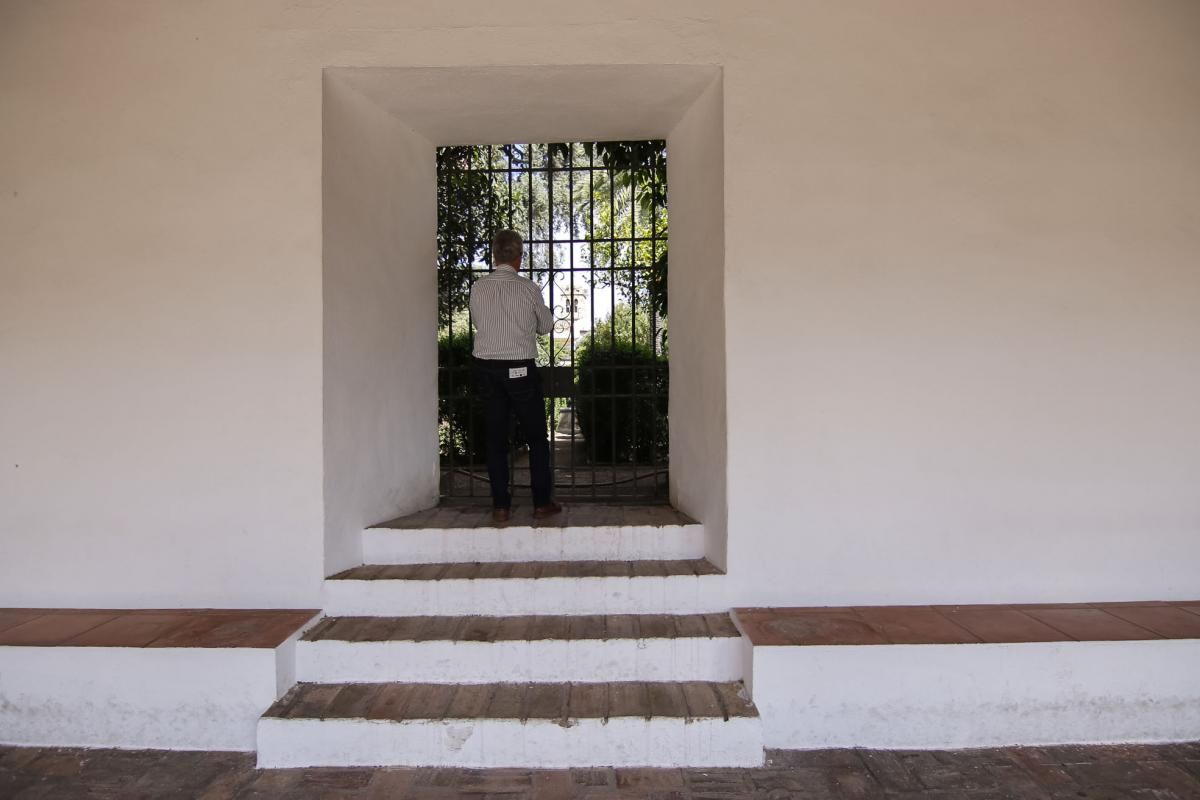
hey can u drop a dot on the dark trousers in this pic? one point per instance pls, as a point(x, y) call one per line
point(502, 397)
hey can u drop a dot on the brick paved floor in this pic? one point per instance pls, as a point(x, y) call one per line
point(1163, 772)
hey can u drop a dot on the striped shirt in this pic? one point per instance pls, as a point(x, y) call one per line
point(509, 313)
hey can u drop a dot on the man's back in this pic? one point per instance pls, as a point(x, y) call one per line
point(509, 313)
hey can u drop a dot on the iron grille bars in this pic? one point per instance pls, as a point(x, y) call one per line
point(594, 219)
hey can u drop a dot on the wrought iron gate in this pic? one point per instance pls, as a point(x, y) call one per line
point(594, 218)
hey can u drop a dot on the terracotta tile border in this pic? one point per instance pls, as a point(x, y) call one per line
point(74, 627)
point(970, 624)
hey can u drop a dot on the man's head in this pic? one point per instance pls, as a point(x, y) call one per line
point(507, 248)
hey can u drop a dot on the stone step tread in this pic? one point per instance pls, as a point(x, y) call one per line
point(472, 570)
point(522, 628)
point(524, 701)
point(577, 515)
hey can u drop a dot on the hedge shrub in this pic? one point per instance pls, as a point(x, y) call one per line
point(636, 427)
point(462, 426)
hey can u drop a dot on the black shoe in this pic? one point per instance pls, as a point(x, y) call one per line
point(548, 510)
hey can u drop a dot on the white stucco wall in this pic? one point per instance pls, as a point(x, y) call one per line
point(160, 307)
point(696, 294)
point(963, 303)
point(380, 311)
point(174, 698)
point(977, 695)
point(961, 294)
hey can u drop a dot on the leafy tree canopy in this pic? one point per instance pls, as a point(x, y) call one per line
point(625, 199)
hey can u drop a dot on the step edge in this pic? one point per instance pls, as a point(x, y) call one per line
point(523, 721)
point(339, 577)
point(439, 640)
point(689, 527)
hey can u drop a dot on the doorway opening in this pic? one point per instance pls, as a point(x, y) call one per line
point(594, 219)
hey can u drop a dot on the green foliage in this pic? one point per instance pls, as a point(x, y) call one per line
point(640, 164)
point(462, 425)
point(470, 207)
point(645, 332)
point(619, 429)
point(628, 199)
point(636, 196)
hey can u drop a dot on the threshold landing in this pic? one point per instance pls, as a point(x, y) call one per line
point(578, 515)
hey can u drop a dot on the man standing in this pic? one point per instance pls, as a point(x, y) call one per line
point(509, 314)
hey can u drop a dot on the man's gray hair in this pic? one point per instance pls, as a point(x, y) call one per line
point(506, 247)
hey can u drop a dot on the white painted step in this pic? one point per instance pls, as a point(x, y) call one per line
point(388, 546)
point(510, 589)
point(511, 725)
point(514, 649)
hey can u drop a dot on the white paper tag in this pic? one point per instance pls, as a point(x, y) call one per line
point(518, 372)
